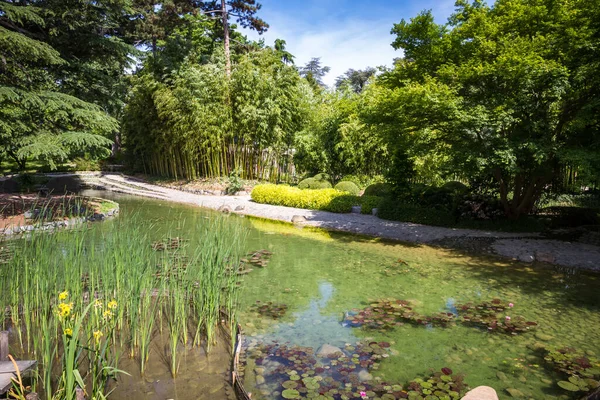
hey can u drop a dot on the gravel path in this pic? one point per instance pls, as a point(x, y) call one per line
point(523, 247)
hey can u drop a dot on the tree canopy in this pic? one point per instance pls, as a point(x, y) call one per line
point(507, 92)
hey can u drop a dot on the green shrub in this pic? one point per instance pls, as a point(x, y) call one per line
point(318, 199)
point(368, 203)
point(378, 189)
point(393, 210)
point(349, 187)
point(322, 177)
point(312, 183)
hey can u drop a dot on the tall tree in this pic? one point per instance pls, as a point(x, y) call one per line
point(356, 80)
point(37, 121)
point(244, 12)
point(506, 91)
point(314, 72)
point(285, 55)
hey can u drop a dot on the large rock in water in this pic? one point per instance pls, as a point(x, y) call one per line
point(481, 393)
point(327, 350)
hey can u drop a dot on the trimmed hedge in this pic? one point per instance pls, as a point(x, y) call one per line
point(319, 199)
point(312, 183)
point(396, 211)
point(349, 187)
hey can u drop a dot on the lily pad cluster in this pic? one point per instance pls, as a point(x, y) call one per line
point(440, 385)
point(270, 309)
point(294, 372)
point(168, 244)
point(385, 314)
point(259, 258)
point(493, 316)
point(583, 371)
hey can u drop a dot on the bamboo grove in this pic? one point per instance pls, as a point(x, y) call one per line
point(197, 123)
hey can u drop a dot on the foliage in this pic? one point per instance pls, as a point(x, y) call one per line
point(563, 217)
point(235, 183)
point(407, 212)
point(182, 290)
point(336, 140)
point(583, 371)
point(312, 183)
point(362, 181)
point(378, 189)
point(368, 203)
point(503, 92)
point(355, 80)
point(37, 120)
point(317, 199)
point(349, 187)
point(198, 124)
point(314, 72)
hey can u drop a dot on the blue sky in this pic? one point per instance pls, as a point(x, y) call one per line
point(343, 33)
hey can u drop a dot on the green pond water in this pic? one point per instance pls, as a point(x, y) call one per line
point(321, 276)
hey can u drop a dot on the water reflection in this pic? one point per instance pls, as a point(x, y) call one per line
point(312, 327)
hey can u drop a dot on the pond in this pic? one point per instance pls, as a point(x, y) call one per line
point(318, 284)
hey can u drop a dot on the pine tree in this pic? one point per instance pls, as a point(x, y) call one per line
point(37, 121)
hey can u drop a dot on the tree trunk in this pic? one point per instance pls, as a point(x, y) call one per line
point(116, 146)
point(526, 192)
point(226, 38)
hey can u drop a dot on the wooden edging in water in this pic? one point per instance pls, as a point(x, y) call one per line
point(236, 382)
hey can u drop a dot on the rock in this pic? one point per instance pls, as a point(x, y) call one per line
point(364, 376)
point(240, 208)
point(298, 219)
point(260, 380)
point(356, 209)
point(502, 376)
point(224, 209)
point(327, 350)
point(481, 393)
point(545, 257)
point(526, 258)
point(543, 336)
point(516, 393)
point(374, 211)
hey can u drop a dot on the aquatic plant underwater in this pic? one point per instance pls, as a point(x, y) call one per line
point(80, 300)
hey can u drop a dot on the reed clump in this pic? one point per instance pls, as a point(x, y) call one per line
point(78, 300)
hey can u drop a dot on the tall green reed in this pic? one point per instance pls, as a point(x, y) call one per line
point(188, 286)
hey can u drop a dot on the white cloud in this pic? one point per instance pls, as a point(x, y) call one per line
point(340, 44)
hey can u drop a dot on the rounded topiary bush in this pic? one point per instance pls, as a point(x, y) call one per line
point(378, 189)
point(322, 177)
point(349, 187)
point(312, 183)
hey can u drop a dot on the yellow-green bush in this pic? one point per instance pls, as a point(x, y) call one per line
point(313, 199)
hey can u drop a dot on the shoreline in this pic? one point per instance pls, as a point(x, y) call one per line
point(528, 248)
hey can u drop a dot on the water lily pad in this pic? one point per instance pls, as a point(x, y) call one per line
point(568, 386)
point(290, 394)
point(290, 384)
